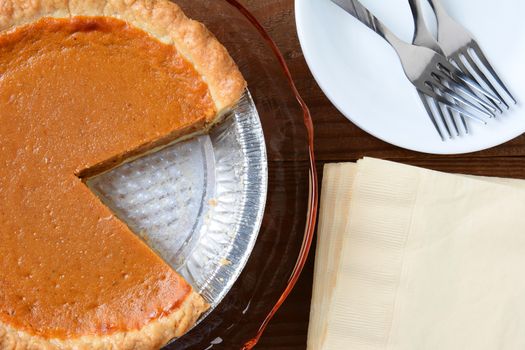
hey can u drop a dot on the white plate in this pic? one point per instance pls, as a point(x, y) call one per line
point(361, 74)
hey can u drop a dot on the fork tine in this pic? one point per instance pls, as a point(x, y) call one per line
point(457, 78)
point(455, 73)
point(454, 107)
point(442, 117)
point(449, 92)
point(477, 50)
point(449, 70)
point(484, 78)
point(472, 95)
point(465, 125)
point(468, 79)
point(444, 113)
point(424, 100)
point(460, 110)
point(463, 121)
point(450, 116)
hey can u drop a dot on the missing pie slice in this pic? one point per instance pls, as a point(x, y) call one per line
point(84, 85)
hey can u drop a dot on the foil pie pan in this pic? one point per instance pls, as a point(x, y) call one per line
point(198, 203)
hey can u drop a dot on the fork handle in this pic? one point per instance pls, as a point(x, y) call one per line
point(438, 7)
point(422, 34)
point(359, 11)
point(419, 21)
point(443, 18)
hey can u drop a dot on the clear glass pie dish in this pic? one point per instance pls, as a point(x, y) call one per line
point(289, 216)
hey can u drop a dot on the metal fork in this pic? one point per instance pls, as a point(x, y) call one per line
point(423, 37)
point(458, 44)
point(427, 70)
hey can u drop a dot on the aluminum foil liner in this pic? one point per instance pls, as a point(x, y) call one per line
point(198, 203)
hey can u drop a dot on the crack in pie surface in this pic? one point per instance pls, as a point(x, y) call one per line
point(84, 85)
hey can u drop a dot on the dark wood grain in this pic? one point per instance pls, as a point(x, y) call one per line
point(288, 329)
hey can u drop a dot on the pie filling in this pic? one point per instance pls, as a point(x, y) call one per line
point(76, 95)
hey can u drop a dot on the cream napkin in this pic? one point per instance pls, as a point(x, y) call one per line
point(412, 259)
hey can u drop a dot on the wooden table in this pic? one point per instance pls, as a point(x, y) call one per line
point(288, 329)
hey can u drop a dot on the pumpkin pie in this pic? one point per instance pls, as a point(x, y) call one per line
point(84, 86)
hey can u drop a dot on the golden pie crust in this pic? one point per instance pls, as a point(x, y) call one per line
point(202, 56)
point(159, 18)
point(152, 336)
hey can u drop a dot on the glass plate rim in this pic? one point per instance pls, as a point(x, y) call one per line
point(313, 184)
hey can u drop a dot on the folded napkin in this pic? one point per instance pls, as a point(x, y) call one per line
point(413, 259)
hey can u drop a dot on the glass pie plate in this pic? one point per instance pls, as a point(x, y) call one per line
point(288, 222)
point(232, 211)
